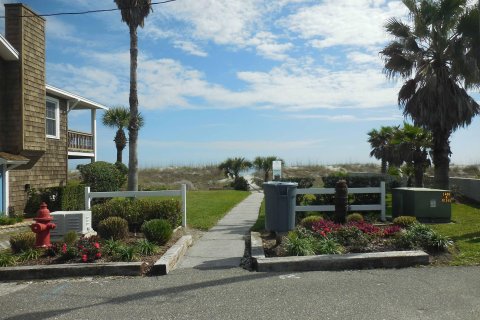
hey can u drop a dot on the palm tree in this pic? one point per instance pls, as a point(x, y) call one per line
point(265, 164)
point(412, 145)
point(379, 141)
point(119, 118)
point(438, 55)
point(233, 166)
point(133, 13)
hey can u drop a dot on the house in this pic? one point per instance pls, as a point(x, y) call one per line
point(35, 140)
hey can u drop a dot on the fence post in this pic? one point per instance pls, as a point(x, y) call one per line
point(184, 205)
point(382, 200)
point(87, 198)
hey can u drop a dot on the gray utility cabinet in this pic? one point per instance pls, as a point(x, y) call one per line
point(280, 206)
point(427, 205)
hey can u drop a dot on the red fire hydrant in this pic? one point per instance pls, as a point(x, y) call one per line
point(42, 226)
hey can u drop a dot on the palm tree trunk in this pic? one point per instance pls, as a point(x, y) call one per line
point(384, 166)
point(133, 126)
point(441, 158)
point(265, 177)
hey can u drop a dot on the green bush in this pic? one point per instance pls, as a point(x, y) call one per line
point(405, 221)
point(240, 184)
point(22, 241)
point(353, 237)
point(66, 198)
point(70, 237)
point(6, 221)
point(157, 230)
point(297, 245)
point(7, 259)
point(420, 236)
point(145, 247)
point(309, 221)
point(30, 254)
point(101, 176)
point(113, 228)
point(328, 246)
point(137, 211)
point(355, 217)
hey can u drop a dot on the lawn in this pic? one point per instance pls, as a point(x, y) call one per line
point(465, 231)
point(205, 208)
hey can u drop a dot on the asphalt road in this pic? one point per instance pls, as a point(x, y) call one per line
point(415, 293)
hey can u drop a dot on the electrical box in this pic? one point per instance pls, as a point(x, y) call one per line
point(427, 205)
point(78, 221)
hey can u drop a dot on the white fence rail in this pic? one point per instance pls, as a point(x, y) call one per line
point(358, 207)
point(141, 194)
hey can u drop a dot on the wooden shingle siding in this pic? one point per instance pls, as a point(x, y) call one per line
point(24, 108)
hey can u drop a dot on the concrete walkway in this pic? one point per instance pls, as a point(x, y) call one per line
point(223, 246)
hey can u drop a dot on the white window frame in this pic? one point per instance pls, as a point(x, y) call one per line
point(57, 117)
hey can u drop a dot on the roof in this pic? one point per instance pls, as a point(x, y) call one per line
point(7, 51)
point(12, 159)
point(81, 102)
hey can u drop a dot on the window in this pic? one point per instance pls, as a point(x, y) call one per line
point(52, 118)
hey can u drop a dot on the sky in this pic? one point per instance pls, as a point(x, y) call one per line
point(299, 79)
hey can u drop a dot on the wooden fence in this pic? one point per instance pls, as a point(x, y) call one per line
point(359, 207)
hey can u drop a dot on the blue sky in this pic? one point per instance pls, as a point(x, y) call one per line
point(299, 79)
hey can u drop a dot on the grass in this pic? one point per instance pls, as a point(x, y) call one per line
point(260, 223)
point(205, 208)
point(465, 232)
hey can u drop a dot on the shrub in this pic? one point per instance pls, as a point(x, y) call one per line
point(88, 249)
point(146, 247)
point(137, 211)
point(113, 228)
point(101, 176)
point(30, 254)
point(111, 247)
point(126, 253)
point(404, 221)
point(157, 230)
point(366, 228)
point(391, 230)
point(355, 217)
point(6, 221)
point(69, 197)
point(7, 259)
point(420, 236)
point(351, 236)
point(308, 222)
point(240, 183)
point(299, 246)
point(22, 241)
point(324, 227)
point(328, 246)
point(70, 237)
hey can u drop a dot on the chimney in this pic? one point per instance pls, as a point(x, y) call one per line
point(25, 31)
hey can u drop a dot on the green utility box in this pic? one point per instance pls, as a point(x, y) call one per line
point(427, 205)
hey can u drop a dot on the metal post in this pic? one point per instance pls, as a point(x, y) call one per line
point(382, 200)
point(87, 198)
point(184, 205)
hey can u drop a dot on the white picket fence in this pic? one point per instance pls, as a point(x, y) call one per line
point(141, 194)
point(360, 207)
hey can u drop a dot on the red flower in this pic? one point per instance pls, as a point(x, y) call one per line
point(98, 255)
point(96, 245)
point(64, 248)
point(84, 258)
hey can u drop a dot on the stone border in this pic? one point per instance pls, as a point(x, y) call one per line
point(349, 261)
point(169, 259)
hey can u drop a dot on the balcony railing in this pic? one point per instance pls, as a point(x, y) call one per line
point(80, 141)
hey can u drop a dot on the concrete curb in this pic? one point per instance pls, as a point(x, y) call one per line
point(169, 260)
point(332, 262)
point(71, 270)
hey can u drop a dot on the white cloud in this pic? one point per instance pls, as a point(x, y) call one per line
point(267, 46)
point(344, 117)
point(344, 22)
point(189, 47)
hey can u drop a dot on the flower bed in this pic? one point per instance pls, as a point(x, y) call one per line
point(92, 250)
point(328, 237)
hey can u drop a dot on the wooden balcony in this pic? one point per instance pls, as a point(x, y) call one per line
point(80, 145)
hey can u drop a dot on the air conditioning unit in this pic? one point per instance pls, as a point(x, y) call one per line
point(78, 221)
